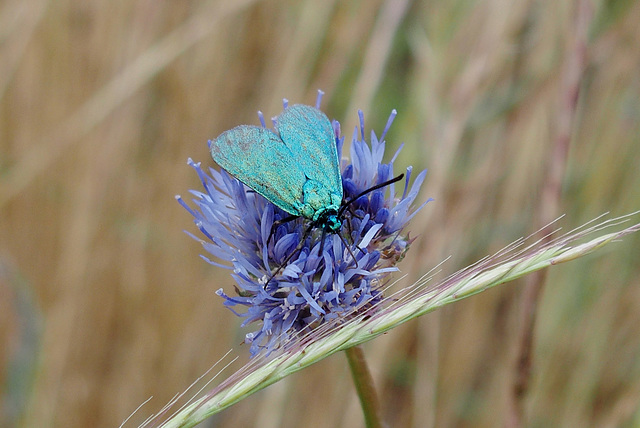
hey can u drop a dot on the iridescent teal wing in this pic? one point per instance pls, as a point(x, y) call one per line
point(259, 158)
point(308, 133)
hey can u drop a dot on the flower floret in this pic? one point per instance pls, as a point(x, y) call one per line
point(326, 275)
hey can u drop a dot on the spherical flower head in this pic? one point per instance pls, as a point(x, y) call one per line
point(329, 275)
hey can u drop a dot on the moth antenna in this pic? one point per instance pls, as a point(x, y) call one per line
point(369, 190)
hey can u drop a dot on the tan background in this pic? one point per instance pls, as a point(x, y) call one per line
point(104, 301)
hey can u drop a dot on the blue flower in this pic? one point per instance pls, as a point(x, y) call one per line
point(345, 279)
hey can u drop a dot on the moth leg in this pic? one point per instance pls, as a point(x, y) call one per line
point(290, 256)
point(350, 227)
point(277, 223)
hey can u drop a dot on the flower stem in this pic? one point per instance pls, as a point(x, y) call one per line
point(364, 387)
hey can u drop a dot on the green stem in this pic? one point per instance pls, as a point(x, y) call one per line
point(364, 387)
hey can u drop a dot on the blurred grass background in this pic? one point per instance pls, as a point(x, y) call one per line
point(105, 301)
